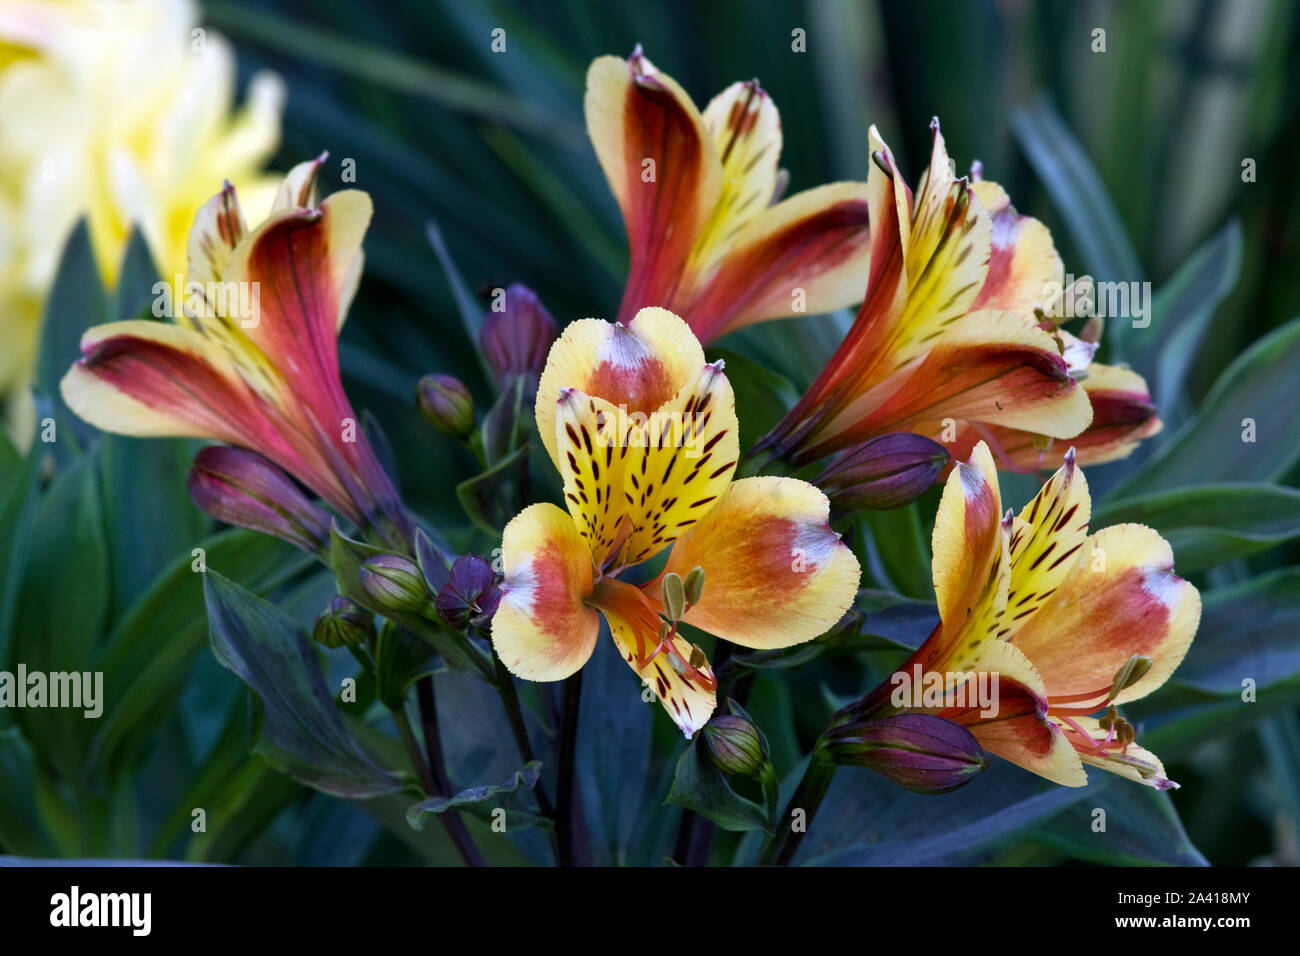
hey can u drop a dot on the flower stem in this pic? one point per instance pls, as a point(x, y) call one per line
point(564, 819)
point(505, 685)
point(450, 819)
point(780, 848)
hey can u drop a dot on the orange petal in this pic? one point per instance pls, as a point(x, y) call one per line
point(662, 166)
point(1051, 530)
point(1019, 731)
point(1119, 598)
point(676, 673)
point(543, 630)
point(1024, 265)
point(775, 574)
point(992, 367)
point(809, 253)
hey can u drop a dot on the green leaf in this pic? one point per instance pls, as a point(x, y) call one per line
point(699, 785)
point(401, 659)
point(76, 302)
point(150, 650)
point(62, 608)
point(21, 829)
point(18, 507)
point(762, 396)
point(299, 728)
point(1180, 315)
point(1255, 392)
point(1077, 193)
point(899, 548)
point(149, 518)
point(1207, 525)
point(473, 796)
point(1142, 828)
point(387, 68)
point(134, 295)
point(490, 498)
point(1248, 630)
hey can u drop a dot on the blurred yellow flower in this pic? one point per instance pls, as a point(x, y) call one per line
point(121, 112)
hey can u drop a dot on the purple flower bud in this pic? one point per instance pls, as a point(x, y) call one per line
point(395, 583)
point(920, 752)
point(446, 403)
point(471, 594)
point(885, 472)
point(515, 341)
point(343, 623)
point(242, 488)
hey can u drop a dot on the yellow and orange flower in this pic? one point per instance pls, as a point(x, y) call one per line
point(1072, 623)
point(123, 113)
point(708, 237)
point(644, 433)
point(951, 343)
point(252, 360)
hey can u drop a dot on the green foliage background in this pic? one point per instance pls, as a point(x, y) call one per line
point(1133, 157)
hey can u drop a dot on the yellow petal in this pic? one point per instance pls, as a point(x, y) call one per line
point(971, 563)
point(593, 453)
point(543, 630)
point(775, 574)
point(218, 227)
point(745, 127)
point(639, 365)
point(680, 463)
point(1051, 530)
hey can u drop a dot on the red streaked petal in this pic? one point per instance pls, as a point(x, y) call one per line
point(662, 166)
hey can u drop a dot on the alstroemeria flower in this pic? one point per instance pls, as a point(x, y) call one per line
point(253, 359)
point(644, 433)
point(949, 342)
point(699, 192)
point(1071, 623)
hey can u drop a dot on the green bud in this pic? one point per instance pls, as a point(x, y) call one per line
point(674, 596)
point(447, 404)
point(395, 583)
point(694, 586)
point(735, 745)
point(343, 623)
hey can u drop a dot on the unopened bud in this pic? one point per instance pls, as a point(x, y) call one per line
point(735, 745)
point(674, 596)
point(920, 752)
point(470, 595)
point(395, 583)
point(343, 623)
point(885, 472)
point(446, 403)
point(242, 488)
point(515, 341)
